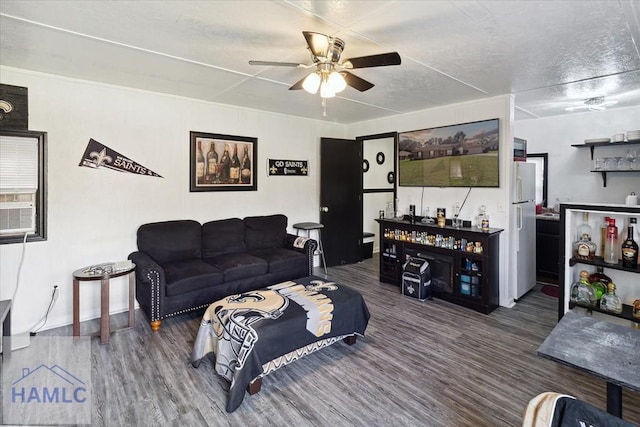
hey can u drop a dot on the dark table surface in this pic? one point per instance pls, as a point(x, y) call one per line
point(606, 350)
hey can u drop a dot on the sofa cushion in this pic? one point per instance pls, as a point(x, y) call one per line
point(238, 266)
point(225, 236)
point(190, 275)
point(265, 231)
point(283, 261)
point(171, 240)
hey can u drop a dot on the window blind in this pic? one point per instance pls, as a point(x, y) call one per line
point(18, 164)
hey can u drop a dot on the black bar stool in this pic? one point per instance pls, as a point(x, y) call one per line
point(308, 226)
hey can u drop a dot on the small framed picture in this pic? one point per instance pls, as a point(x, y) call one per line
point(222, 162)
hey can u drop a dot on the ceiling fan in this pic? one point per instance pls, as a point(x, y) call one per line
point(331, 75)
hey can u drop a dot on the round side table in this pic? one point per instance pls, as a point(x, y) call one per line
point(103, 272)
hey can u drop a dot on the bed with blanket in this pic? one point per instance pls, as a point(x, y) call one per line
point(254, 333)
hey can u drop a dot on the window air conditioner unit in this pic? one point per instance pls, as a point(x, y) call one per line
point(17, 217)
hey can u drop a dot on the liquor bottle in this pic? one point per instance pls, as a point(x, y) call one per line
point(584, 248)
point(234, 168)
point(212, 163)
point(611, 248)
point(224, 165)
point(200, 164)
point(245, 172)
point(630, 248)
point(482, 219)
point(599, 281)
point(610, 301)
point(636, 309)
point(441, 217)
point(603, 235)
point(582, 292)
point(584, 228)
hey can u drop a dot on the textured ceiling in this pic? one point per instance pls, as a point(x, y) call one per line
point(550, 54)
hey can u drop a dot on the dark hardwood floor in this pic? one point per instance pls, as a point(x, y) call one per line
point(421, 364)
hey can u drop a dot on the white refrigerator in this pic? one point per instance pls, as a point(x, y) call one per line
point(523, 211)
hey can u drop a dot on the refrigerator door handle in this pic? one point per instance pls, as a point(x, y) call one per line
point(518, 189)
point(519, 217)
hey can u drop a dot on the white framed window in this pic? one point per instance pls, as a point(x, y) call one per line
point(22, 185)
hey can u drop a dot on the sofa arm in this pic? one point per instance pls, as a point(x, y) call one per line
point(302, 244)
point(150, 284)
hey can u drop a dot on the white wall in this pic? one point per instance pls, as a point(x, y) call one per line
point(569, 178)
point(496, 199)
point(93, 214)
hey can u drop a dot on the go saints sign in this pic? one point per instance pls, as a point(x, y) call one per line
point(288, 167)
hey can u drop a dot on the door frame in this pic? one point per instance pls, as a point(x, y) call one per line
point(363, 140)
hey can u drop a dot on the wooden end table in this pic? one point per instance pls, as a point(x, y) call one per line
point(103, 272)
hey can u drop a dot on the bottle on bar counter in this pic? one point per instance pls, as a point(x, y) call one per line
point(630, 248)
point(582, 292)
point(610, 301)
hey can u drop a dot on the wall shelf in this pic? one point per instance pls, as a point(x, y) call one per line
point(604, 173)
point(591, 147)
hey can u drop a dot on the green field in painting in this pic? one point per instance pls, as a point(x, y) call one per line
point(451, 171)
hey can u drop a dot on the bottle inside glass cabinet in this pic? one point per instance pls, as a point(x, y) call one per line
point(610, 301)
point(582, 292)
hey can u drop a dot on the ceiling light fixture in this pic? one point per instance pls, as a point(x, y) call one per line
point(597, 103)
point(327, 80)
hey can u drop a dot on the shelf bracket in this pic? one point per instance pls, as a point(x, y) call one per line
point(591, 148)
point(604, 178)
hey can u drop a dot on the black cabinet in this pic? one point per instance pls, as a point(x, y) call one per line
point(548, 250)
point(460, 272)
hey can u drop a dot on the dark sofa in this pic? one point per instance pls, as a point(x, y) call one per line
point(183, 266)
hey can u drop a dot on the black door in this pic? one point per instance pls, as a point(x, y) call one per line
point(340, 200)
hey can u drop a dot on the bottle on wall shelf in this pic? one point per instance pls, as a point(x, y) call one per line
point(611, 248)
point(629, 248)
point(582, 292)
point(610, 301)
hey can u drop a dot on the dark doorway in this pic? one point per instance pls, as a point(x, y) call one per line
point(340, 200)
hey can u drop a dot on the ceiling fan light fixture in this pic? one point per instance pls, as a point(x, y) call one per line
point(337, 82)
point(326, 91)
point(312, 83)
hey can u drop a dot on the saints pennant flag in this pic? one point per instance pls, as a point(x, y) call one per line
point(97, 155)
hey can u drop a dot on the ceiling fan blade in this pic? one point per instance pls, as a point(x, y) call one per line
point(356, 82)
point(318, 43)
point(380, 60)
point(298, 84)
point(277, 64)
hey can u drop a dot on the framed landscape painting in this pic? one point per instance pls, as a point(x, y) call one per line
point(222, 162)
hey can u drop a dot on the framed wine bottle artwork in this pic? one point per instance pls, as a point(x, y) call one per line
point(222, 162)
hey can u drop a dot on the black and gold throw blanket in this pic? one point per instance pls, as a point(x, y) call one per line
point(251, 329)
